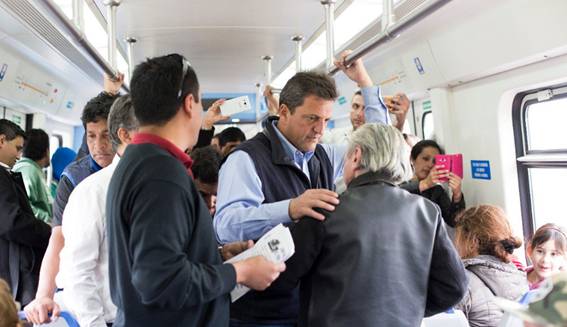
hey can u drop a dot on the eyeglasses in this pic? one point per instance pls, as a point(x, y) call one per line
point(186, 66)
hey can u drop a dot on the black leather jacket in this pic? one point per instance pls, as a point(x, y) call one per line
point(382, 258)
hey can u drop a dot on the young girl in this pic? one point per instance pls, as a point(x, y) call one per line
point(548, 253)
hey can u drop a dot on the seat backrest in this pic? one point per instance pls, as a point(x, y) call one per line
point(453, 318)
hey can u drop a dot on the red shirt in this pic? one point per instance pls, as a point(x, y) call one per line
point(183, 157)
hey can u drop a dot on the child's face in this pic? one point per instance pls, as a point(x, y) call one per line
point(547, 259)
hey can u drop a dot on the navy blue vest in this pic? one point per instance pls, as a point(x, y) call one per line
point(81, 169)
point(281, 180)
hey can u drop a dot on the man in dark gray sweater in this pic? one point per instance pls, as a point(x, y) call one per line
point(165, 269)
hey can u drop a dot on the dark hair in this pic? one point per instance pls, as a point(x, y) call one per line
point(36, 145)
point(419, 146)
point(155, 86)
point(97, 108)
point(206, 164)
point(549, 232)
point(10, 130)
point(484, 229)
point(304, 84)
point(121, 116)
point(359, 92)
point(231, 134)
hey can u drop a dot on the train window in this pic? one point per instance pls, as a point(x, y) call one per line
point(427, 126)
point(545, 125)
point(55, 142)
point(541, 151)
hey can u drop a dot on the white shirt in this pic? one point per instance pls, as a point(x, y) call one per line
point(337, 135)
point(83, 272)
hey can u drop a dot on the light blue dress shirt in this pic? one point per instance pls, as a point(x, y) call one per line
point(240, 214)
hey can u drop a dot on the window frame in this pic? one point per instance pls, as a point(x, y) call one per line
point(527, 159)
point(423, 115)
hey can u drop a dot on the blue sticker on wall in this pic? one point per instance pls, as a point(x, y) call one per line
point(69, 105)
point(418, 65)
point(3, 71)
point(480, 169)
point(342, 100)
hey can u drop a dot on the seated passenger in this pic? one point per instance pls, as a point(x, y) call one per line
point(8, 308)
point(94, 118)
point(426, 181)
point(547, 251)
point(383, 256)
point(35, 158)
point(486, 244)
point(206, 165)
point(59, 161)
point(229, 139)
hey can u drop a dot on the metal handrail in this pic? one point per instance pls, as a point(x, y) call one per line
point(393, 31)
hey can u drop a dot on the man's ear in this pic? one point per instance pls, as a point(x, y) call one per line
point(188, 104)
point(3, 140)
point(124, 136)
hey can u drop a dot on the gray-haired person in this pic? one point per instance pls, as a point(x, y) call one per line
point(383, 256)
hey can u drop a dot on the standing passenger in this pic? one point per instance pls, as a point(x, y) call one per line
point(284, 174)
point(35, 158)
point(23, 238)
point(165, 268)
point(100, 155)
point(383, 257)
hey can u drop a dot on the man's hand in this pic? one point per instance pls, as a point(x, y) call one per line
point(398, 105)
point(305, 204)
point(271, 101)
point(257, 272)
point(113, 85)
point(37, 312)
point(213, 115)
point(233, 249)
point(355, 71)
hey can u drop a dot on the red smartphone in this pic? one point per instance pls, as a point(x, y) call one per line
point(451, 162)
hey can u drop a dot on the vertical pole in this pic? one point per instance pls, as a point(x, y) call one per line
point(112, 5)
point(330, 26)
point(78, 14)
point(298, 39)
point(388, 17)
point(268, 69)
point(130, 41)
point(257, 107)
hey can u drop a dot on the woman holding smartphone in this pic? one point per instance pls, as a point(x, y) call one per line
point(427, 181)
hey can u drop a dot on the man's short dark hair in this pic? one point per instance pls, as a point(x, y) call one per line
point(97, 108)
point(358, 92)
point(121, 116)
point(231, 134)
point(155, 88)
point(36, 145)
point(10, 130)
point(206, 164)
point(305, 84)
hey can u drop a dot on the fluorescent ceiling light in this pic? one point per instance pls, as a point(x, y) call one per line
point(66, 6)
point(355, 18)
point(282, 78)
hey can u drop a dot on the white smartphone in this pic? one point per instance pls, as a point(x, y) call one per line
point(236, 105)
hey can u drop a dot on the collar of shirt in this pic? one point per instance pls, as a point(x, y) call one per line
point(142, 138)
point(298, 156)
point(5, 166)
point(94, 166)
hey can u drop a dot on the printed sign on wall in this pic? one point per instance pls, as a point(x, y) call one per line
point(480, 169)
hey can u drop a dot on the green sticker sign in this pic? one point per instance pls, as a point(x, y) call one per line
point(342, 100)
point(426, 105)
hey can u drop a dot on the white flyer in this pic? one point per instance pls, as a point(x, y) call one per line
point(276, 246)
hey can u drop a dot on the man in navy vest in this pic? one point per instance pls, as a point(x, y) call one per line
point(284, 174)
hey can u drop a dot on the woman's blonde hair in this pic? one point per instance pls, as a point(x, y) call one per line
point(8, 309)
point(484, 229)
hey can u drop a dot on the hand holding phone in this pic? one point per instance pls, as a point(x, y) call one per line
point(451, 162)
point(236, 105)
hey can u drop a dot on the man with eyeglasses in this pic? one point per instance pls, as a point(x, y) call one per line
point(165, 268)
